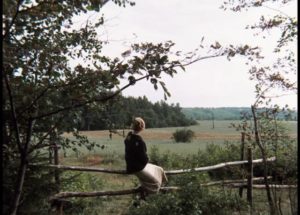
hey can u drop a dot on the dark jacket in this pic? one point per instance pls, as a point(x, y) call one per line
point(135, 153)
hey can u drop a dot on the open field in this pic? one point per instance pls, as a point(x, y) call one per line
point(161, 137)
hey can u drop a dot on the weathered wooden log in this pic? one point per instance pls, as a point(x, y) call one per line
point(225, 182)
point(168, 172)
point(262, 186)
point(103, 193)
point(243, 134)
point(250, 178)
point(94, 193)
point(83, 168)
point(217, 166)
point(229, 183)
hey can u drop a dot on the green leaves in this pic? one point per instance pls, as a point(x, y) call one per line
point(166, 92)
point(131, 80)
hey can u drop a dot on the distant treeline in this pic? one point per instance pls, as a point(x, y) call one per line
point(229, 113)
point(118, 114)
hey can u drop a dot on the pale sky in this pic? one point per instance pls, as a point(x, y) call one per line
point(208, 83)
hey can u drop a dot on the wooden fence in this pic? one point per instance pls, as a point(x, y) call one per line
point(59, 199)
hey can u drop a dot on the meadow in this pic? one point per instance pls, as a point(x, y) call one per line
point(162, 138)
point(111, 155)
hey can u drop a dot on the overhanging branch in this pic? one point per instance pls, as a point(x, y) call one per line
point(203, 58)
point(89, 101)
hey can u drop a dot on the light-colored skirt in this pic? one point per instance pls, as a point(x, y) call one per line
point(151, 178)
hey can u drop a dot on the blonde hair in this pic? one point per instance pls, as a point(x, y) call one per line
point(138, 124)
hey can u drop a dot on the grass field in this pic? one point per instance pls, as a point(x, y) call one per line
point(161, 137)
point(112, 156)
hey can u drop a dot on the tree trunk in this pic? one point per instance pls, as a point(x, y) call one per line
point(19, 186)
point(265, 165)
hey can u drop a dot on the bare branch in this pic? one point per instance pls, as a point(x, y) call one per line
point(279, 11)
point(263, 186)
point(225, 182)
point(93, 194)
point(168, 172)
point(103, 193)
point(82, 168)
point(38, 145)
point(217, 166)
point(28, 136)
point(203, 58)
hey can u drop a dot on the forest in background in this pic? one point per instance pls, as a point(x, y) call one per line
point(118, 114)
point(230, 113)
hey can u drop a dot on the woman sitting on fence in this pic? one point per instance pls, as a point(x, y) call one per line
point(150, 176)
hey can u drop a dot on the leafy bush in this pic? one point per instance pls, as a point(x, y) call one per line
point(191, 199)
point(183, 135)
point(213, 154)
point(38, 186)
point(82, 182)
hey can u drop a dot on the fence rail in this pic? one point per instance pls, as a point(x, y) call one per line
point(231, 183)
point(168, 172)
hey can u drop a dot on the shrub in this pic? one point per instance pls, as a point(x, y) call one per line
point(170, 160)
point(183, 135)
point(82, 182)
point(191, 199)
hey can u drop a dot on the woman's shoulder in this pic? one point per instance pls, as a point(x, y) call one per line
point(132, 135)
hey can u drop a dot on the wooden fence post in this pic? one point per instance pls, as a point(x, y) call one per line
point(250, 178)
point(56, 162)
point(242, 158)
point(55, 148)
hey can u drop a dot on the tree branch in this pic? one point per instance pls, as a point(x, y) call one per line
point(28, 136)
point(57, 86)
point(279, 11)
point(38, 145)
point(89, 101)
point(203, 58)
point(26, 9)
point(13, 112)
point(13, 19)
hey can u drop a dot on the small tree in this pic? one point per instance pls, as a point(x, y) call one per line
point(183, 135)
point(270, 77)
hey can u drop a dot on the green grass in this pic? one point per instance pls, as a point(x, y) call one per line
point(221, 133)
